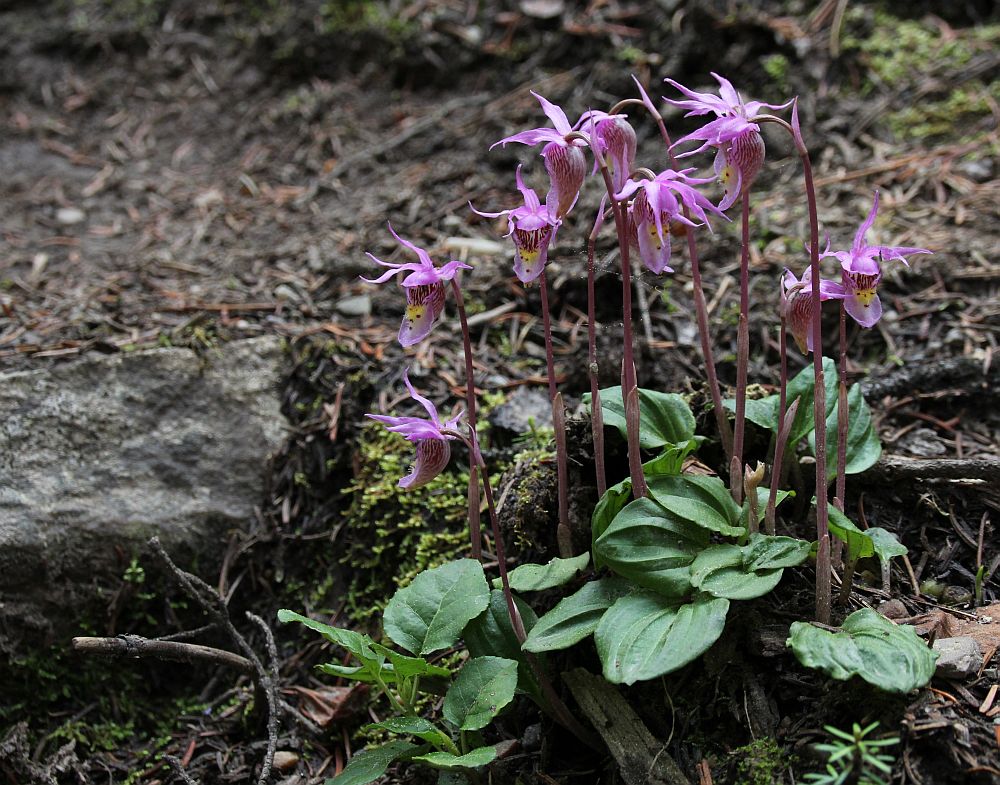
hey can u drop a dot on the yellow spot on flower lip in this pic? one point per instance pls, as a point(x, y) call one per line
point(529, 256)
point(414, 312)
point(865, 296)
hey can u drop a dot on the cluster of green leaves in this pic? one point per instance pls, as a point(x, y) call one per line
point(430, 615)
point(680, 555)
point(863, 445)
point(854, 758)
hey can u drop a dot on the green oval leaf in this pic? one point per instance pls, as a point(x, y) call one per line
point(361, 646)
point(576, 616)
point(483, 687)
point(608, 506)
point(764, 411)
point(491, 634)
point(664, 418)
point(863, 445)
point(644, 635)
point(538, 577)
point(371, 763)
point(415, 726)
point(471, 760)
point(742, 573)
point(430, 613)
point(651, 546)
point(885, 543)
point(704, 501)
point(859, 545)
point(886, 655)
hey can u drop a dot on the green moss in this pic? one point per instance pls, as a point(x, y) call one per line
point(394, 534)
point(902, 54)
point(777, 66)
point(762, 762)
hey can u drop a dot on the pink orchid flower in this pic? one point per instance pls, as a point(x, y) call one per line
point(861, 272)
point(430, 435)
point(656, 213)
point(564, 158)
point(532, 227)
point(734, 134)
point(424, 287)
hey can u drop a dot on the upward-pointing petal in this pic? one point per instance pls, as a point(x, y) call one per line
point(555, 114)
point(859, 238)
point(428, 406)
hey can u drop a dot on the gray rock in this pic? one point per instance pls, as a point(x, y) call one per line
point(958, 658)
point(356, 305)
point(525, 407)
point(99, 455)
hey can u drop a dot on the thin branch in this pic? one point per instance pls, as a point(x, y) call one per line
point(137, 647)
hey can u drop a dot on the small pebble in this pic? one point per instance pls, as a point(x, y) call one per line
point(958, 658)
point(70, 215)
point(283, 760)
point(893, 609)
point(358, 305)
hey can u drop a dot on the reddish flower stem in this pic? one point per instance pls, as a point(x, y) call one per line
point(701, 311)
point(819, 394)
point(842, 414)
point(558, 424)
point(779, 445)
point(630, 397)
point(596, 414)
point(475, 529)
point(742, 353)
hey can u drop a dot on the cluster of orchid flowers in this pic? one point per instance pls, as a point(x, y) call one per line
point(649, 209)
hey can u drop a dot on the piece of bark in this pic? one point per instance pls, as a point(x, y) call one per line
point(642, 759)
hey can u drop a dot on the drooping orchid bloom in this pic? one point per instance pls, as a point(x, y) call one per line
point(564, 158)
point(796, 306)
point(861, 272)
point(430, 435)
point(424, 287)
point(532, 228)
point(656, 213)
point(734, 133)
point(617, 141)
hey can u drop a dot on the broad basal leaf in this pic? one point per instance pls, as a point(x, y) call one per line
point(575, 617)
point(483, 687)
point(430, 613)
point(371, 763)
point(664, 418)
point(491, 634)
point(361, 646)
point(471, 760)
point(742, 573)
point(702, 500)
point(889, 656)
point(414, 726)
point(859, 546)
point(608, 506)
point(644, 635)
point(537, 577)
point(651, 546)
